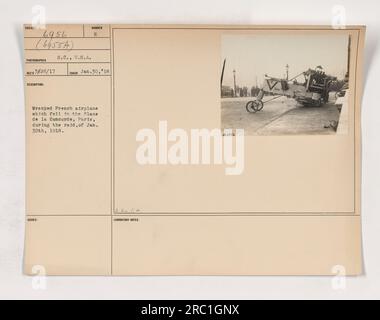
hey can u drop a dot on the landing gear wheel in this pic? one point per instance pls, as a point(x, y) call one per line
point(260, 105)
point(254, 106)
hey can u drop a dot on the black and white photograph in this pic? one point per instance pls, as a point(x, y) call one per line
point(285, 84)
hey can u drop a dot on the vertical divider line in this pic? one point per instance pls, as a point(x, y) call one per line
point(112, 138)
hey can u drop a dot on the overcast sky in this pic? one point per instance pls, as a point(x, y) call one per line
point(255, 55)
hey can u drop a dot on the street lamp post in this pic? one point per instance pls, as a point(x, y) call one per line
point(287, 71)
point(234, 71)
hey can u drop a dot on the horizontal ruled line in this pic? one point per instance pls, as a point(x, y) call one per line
point(77, 62)
point(69, 75)
point(66, 38)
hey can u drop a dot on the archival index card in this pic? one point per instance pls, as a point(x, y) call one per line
point(193, 149)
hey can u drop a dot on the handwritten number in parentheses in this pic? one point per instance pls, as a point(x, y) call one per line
point(50, 44)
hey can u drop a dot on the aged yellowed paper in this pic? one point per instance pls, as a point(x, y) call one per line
point(193, 149)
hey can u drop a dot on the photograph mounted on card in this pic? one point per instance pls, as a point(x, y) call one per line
point(193, 149)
